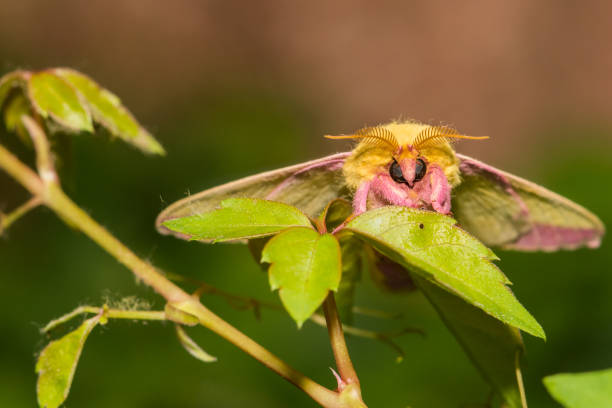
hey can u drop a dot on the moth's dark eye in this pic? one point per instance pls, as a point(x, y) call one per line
point(395, 171)
point(420, 169)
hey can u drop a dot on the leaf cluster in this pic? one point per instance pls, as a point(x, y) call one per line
point(309, 258)
point(68, 101)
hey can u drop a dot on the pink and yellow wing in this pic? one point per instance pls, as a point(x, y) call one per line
point(507, 211)
point(308, 186)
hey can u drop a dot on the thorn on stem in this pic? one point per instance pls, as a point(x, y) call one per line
point(341, 383)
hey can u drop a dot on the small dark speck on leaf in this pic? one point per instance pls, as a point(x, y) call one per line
point(421, 226)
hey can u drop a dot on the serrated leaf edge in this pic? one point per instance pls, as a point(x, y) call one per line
point(536, 330)
point(266, 259)
point(45, 114)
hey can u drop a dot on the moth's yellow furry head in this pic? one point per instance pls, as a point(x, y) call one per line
point(380, 145)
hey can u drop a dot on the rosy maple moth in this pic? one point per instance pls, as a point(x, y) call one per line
point(413, 164)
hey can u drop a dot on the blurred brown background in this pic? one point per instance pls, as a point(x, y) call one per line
point(495, 68)
point(231, 88)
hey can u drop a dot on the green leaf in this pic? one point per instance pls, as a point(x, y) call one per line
point(107, 110)
point(8, 82)
point(54, 97)
point(390, 275)
point(305, 266)
point(492, 346)
point(57, 363)
point(583, 390)
point(430, 245)
point(15, 108)
point(192, 347)
point(14, 104)
point(240, 218)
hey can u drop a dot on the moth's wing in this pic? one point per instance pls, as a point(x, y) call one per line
point(308, 186)
point(507, 211)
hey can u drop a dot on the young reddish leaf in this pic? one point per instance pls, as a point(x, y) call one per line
point(582, 390)
point(239, 218)
point(192, 347)
point(304, 267)
point(54, 97)
point(493, 346)
point(431, 246)
point(107, 110)
point(57, 363)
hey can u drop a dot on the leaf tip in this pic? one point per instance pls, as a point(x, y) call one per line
point(147, 143)
point(537, 331)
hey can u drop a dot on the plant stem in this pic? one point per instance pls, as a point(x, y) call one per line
point(135, 314)
point(68, 210)
point(318, 319)
point(6, 220)
point(384, 337)
point(519, 378)
point(109, 313)
point(44, 158)
point(20, 172)
point(336, 337)
point(53, 196)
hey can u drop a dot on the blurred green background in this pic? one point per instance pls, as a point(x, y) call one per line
point(233, 88)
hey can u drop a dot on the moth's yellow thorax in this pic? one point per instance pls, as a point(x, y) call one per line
point(369, 159)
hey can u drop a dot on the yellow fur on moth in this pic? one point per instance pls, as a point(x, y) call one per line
point(367, 159)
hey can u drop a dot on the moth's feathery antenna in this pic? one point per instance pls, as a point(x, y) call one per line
point(435, 135)
point(376, 135)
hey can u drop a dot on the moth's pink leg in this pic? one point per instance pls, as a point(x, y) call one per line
point(360, 200)
point(440, 190)
point(393, 193)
